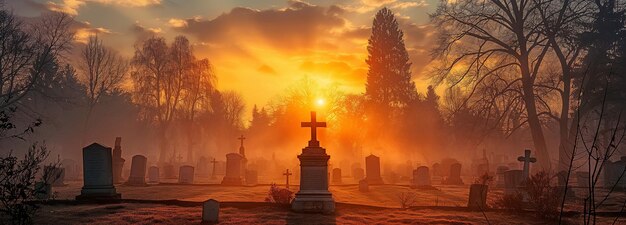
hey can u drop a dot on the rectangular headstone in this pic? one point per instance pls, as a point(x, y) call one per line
point(138, 171)
point(186, 175)
point(252, 177)
point(210, 211)
point(421, 177)
point(97, 174)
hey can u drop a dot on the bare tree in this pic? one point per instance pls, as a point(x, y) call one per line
point(26, 49)
point(102, 72)
point(498, 49)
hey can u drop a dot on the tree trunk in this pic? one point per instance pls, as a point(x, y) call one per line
point(543, 157)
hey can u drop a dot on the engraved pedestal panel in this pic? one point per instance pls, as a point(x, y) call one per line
point(313, 195)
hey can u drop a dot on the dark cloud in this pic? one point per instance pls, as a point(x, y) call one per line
point(143, 33)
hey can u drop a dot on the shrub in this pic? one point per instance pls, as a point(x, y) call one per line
point(513, 202)
point(543, 198)
point(406, 199)
point(17, 184)
point(279, 195)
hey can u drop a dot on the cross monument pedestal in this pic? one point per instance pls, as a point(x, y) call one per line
point(313, 196)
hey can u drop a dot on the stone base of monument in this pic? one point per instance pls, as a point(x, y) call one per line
point(98, 193)
point(232, 181)
point(313, 202)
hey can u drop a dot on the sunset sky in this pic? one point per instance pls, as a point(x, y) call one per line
point(258, 48)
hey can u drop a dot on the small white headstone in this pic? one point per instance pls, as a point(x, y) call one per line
point(210, 211)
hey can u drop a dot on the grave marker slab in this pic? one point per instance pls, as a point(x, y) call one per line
point(372, 170)
point(153, 174)
point(421, 177)
point(186, 175)
point(97, 174)
point(233, 169)
point(210, 211)
point(137, 171)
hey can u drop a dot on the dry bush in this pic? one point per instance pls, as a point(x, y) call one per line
point(279, 195)
point(543, 198)
point(406, 199)
point(513, 202)
point(485, 179)
point(17, 184)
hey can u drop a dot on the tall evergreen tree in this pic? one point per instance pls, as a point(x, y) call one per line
point(389, 83)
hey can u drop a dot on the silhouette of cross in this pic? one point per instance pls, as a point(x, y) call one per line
point(527, 160)
point(313, 125)
point(287, 174)
point(213, 172)
point(241, 139)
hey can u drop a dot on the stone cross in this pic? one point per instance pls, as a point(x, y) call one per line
point(213, 172)
point(241, 139)
point(313, 125)
point(527, 160)
point(241, 149)
point(287, 174)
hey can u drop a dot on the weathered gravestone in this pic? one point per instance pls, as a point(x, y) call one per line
point(421, 177)
point(478, 197)
point(54, 175)
point(117, 161)
point(358, 173)
point(137, 171)
point(363, 186)
point(210, 211)
point(252, 177)
point(455, 175)
point(186, 175)
point(337, 176)
point(372, 170)
point(97, 174)
point(313, 195)
point(153, 174)
point(512, 181)
point(72, 170)
point(500, 175)
point(233, 169)
point(614, 176)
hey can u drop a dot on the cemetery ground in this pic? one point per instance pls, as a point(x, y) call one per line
point(171, 203)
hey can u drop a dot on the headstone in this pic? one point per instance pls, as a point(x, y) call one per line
point(337, 176)
point(186, 175)
point(363, 186)
point(372, 170)
point(500, 173)
point(527, 160)
point(252, 177)
point(210, 211)
point(137, 171)
point(512, 181)
point(455, 175)
point(582, 178)
point(97, 174)
point(233, 169)
point(478, 197)
point(358, 173)
point(614, 176)
point(421, 177)
point(54, 175)
point(313, 195)
point(117, 161)
point(72, 170)
point(168, 171)
point(153, 174)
